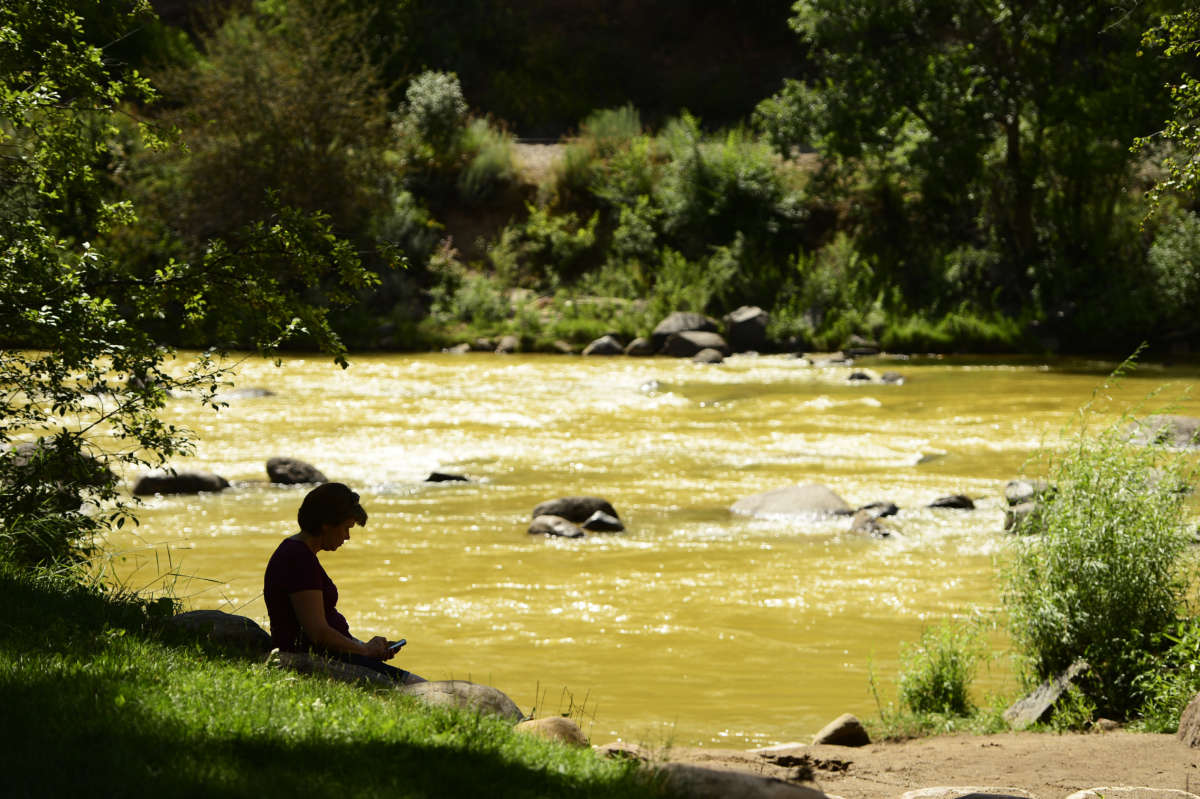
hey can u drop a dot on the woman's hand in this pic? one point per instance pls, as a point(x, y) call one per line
point(377, 648)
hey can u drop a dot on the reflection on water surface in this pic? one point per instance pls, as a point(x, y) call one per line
point(695, 626)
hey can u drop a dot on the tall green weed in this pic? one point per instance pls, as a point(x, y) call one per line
point(1101, 574)
point(936, 673)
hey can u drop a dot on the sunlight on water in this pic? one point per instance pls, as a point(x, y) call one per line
point(696, 626)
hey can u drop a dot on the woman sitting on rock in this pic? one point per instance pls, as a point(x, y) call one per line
point(302, 600)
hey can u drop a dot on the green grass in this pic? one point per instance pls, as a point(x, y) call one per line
point(99, 698)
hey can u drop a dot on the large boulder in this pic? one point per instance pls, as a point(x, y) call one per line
point(508, 345)
point(178, 483)
point(304, 663)
point(680, 322)
point(554, 526)
point(795, 500)
point(858, 347)
point(690, 342)
point(250, 392)
point(845, 730)
point(1189, 724)
point(554, 728)
point(640, 347)
point(954, 501)
point(575, 509)
point(601, 522)
point(605, 345)
point(867, 522)
point(225, 629)
point(292, 471)
point(1020, 491)
point(1163, 428)
point(1038, 704)
point(700, 782)
point(1017, 518)
point(447, 477)
point(881, 508)
point(466, 695)
point(746, 328)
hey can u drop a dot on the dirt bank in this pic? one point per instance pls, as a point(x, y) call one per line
point(1044, 765)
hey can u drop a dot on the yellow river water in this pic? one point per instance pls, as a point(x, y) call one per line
point(695, 626)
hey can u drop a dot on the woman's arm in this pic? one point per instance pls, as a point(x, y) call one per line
point(310, 612)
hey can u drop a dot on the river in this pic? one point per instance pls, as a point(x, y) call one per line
point(695, 626)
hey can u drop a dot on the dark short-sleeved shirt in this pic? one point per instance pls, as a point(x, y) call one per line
point(294, 567)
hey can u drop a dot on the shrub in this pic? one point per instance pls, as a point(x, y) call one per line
point(936, 674)
point(1101, 576)
point(605, 134)
point(542, 249)
point(472, 298)
point(958, 331)
point(408, 227)
point(285, 109)
point(685, 285)
point(1172, 259)
point(612, 129)
point(435, 110)
point(826, 296)
point(490, 166)
point(1073, 711)
point(712, 190)
point(1169, 682)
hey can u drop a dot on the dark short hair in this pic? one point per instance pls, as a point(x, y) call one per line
point(329, 503)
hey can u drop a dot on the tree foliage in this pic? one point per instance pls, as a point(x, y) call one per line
point(1178, 36)
point(992, 126)
point(82, 377)
point(283, 106)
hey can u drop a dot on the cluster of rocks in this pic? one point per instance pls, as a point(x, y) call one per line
point(280, 471)
point(574, 517)
point(1024, 498)
point(815, 501)
point(685, 334)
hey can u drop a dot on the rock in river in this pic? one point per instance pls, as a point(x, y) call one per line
point(601, 522)
point(291, 471)
point(605, 345)
point(708, 355)
point(746, 328)
point(178, 483)
point(690, 342)
point(794, 500)
point(956, 501)
point(1170, 429)
point(547, 524)
point(679, 322)
point(575, 509)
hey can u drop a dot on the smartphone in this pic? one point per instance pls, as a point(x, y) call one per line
point(394, 647)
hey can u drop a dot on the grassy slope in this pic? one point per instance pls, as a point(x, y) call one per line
point(95, 699)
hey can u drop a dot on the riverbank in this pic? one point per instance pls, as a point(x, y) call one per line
point(100, 697)
point(97, 692)
point(1039, 765)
